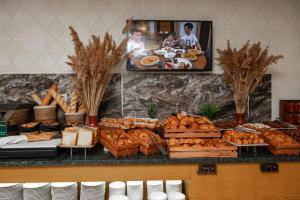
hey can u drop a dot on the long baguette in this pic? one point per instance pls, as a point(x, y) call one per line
point(82, 108)
point(48, 97)
point(73, 103)
point(36, 98)
point(61, 102)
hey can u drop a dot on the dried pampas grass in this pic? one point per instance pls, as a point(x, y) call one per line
point(93, 65)
point(244, 69)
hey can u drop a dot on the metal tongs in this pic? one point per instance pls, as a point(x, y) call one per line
point(161, 148)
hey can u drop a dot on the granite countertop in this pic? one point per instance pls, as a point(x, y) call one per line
point(98, 156)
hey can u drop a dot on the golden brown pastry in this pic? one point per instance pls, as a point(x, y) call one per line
point(61, 102)
point(48, 97)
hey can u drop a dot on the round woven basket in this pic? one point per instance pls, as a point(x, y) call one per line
point(75, 118)
point(45, 113)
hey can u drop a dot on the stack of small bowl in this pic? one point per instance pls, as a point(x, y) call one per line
point(117, 188)
point(135, 190)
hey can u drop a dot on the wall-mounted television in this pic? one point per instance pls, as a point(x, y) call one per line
point(169, 45)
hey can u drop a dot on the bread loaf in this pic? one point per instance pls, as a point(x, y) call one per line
point(48, 97)
point(69, 137)
point(61, 102)
point(85, 137)
point(82, 108)
point(73, 103)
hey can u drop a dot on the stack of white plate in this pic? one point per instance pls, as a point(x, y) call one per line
point(173, 186)
point(64, 191)
point(37, 191)
point(154, 186)
point(158, 196)
point(117, 188)
point(135, 190)
point(92, 190)
point(176, 196)
point(11, 191)
point(118, 197)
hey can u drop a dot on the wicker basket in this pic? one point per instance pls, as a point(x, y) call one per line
point(75, 118)
point(45, 113)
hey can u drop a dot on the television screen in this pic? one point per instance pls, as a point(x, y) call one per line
point(162, 45)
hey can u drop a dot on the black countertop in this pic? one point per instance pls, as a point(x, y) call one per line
point(98, 156)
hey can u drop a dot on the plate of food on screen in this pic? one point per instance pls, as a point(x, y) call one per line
point(189, 56)
point(150, 60)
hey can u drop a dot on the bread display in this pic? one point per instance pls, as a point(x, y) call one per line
point(279, 139)
point(243, 138)
point(182, 121)
point(198, 147)
point(293, 133)
point(197, 142)
point(118, 142)
point(276, 124)
point(79, 136)
point(146, 138)
point(130, 123)
point(117, 137)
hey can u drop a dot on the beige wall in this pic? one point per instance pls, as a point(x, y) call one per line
point(34, 35)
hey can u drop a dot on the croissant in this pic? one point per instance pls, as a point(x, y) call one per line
point(186, 121)
point(181, 126)
point(194, 126)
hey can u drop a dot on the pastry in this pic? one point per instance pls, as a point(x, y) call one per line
point(240, 137)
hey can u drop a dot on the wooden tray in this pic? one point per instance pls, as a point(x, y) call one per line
point(192, 134)
point(228, 147)
point(294, 145)
point(248, 145)
point(148, 151)
point(190, 130)
point(119, 153)
point(201, 154)
point(104, 136)
point(275, 151)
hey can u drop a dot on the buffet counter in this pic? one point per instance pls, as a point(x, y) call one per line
point(222, 178)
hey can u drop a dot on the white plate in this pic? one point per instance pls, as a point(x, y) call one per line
point(169, 55)
point(182, 60)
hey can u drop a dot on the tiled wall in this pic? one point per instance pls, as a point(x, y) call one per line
point(34, 35)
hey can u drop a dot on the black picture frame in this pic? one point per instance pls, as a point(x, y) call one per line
point(205, 39)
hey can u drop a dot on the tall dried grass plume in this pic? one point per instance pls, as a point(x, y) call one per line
point(244, 69)
point(93, 65)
